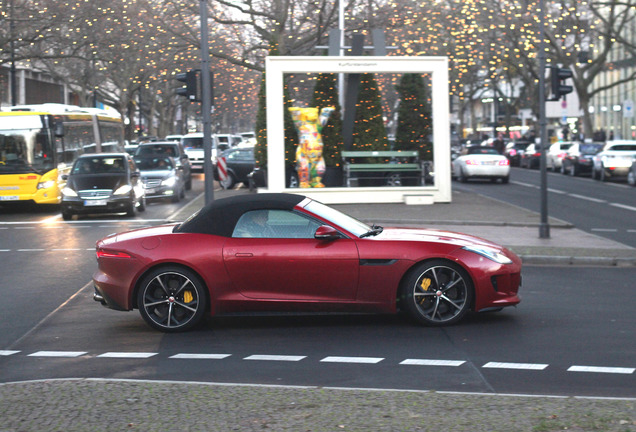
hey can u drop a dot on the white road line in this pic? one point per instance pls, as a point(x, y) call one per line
point(275, 357)
point(599, 369)
point(189, 356)
point(587, 198)
point(57, 354)
point(528, 185)
point(623, 206)
point(5, 250)
point(557, 191)
point(428, 362)
point(8, 352)
point(136, 355)
point(31, 250)
point(523, 366)
point(365, 360)
point(67, 249)
point(604, 229)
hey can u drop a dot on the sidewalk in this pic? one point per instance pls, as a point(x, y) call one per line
point(503, 223)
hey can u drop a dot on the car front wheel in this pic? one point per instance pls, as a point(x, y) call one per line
point(437, 293)
point(171, 299)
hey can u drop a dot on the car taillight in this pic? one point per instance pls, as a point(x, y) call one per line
point(471, 162)
point(101, 253)
point(504, 162)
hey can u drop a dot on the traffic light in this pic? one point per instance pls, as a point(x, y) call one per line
point(557, 82)
point(191, 90)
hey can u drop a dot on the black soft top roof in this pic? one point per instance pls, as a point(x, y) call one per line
point(220, 216)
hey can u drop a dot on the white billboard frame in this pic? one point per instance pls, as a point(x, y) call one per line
point(440, 191)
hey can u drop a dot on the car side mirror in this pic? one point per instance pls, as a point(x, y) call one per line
point(325, 232)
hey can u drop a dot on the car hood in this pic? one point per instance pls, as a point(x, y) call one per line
point(101, 181)
point(157, 174)
point(434, 236)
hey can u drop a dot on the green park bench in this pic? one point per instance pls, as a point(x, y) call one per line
point(390, 166)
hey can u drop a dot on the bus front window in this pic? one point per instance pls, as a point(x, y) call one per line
point(25, 151)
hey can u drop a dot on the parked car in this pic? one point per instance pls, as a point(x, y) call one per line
point(102, 183)
point(615, 160)
point(531, 157)
point(161, 177)
point(287, 252)
point(172, 149)
point(515, 150)
point(481, 162)
point(578, 158)
point(239, 163)
point(631, 175)
point(556, 153)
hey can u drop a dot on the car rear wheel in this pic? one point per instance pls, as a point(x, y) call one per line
point(171, 299)
point(631, 177)
point(437, 293)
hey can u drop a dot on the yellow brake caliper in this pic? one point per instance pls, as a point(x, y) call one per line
point(187, 296)
point(426, 283)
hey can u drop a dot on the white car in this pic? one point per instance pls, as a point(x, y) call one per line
point(615, 160)
point(556, 153)
point(481, 162)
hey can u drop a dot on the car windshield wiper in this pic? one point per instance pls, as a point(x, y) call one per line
point(374, 231)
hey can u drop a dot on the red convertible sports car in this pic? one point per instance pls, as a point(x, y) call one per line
point(286, 252)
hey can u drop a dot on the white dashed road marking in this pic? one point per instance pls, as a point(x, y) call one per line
point(598, 369)
point(57, 354)
point(187, 356)
point(275, 357)
point(519, 366)
point(132, 355)
point(427, 362)
point(366, 360)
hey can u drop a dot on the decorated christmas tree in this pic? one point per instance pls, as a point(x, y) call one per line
point(414, 117)
point(369, 132)
point(326, 94)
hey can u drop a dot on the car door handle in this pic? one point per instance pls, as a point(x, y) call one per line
point(244, 255)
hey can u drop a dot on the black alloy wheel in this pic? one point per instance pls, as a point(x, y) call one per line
point(437, 293)
point(171, 299)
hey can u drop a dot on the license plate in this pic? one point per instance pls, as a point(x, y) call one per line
point(488, 162)
point(91, 203)
point(10, 198)
point(150, 190)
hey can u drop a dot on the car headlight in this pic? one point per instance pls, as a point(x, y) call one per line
point(46, 184)
point(170, 181)
point(68, 192)
point(490, 253)
point(123, 190)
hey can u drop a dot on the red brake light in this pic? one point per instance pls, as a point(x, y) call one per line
point(101, 253)
point(471, 162)
point(504, 162)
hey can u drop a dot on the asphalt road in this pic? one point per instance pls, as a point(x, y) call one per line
point(606, 209)
point(572, 334)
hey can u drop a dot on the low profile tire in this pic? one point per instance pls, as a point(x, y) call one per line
point(631, 177)
point(437, 293)
point(131, 210)
point(171, 299)
point(505, 180)
point(462, 177)
point(67, 216)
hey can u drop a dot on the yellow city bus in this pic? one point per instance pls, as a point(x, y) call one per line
point(39, 143)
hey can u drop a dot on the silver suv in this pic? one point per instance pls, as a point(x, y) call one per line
point(172, 149)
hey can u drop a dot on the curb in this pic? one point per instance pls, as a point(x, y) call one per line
point(578, 261)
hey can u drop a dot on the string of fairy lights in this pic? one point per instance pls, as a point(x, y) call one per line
point(144, 43)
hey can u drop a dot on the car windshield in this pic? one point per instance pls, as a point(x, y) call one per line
point(590, 148)
point(192, 142)
point(482, 150)
point(99, 165)
point(344, 221)
point(159, 163)
point(167, 149)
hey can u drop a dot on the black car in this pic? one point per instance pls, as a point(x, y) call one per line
point(531, 157)
point(172, 149)
point(515, 150)
point(161, 177)
point(103, 183)
point(579, 159)
point(239, 163)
